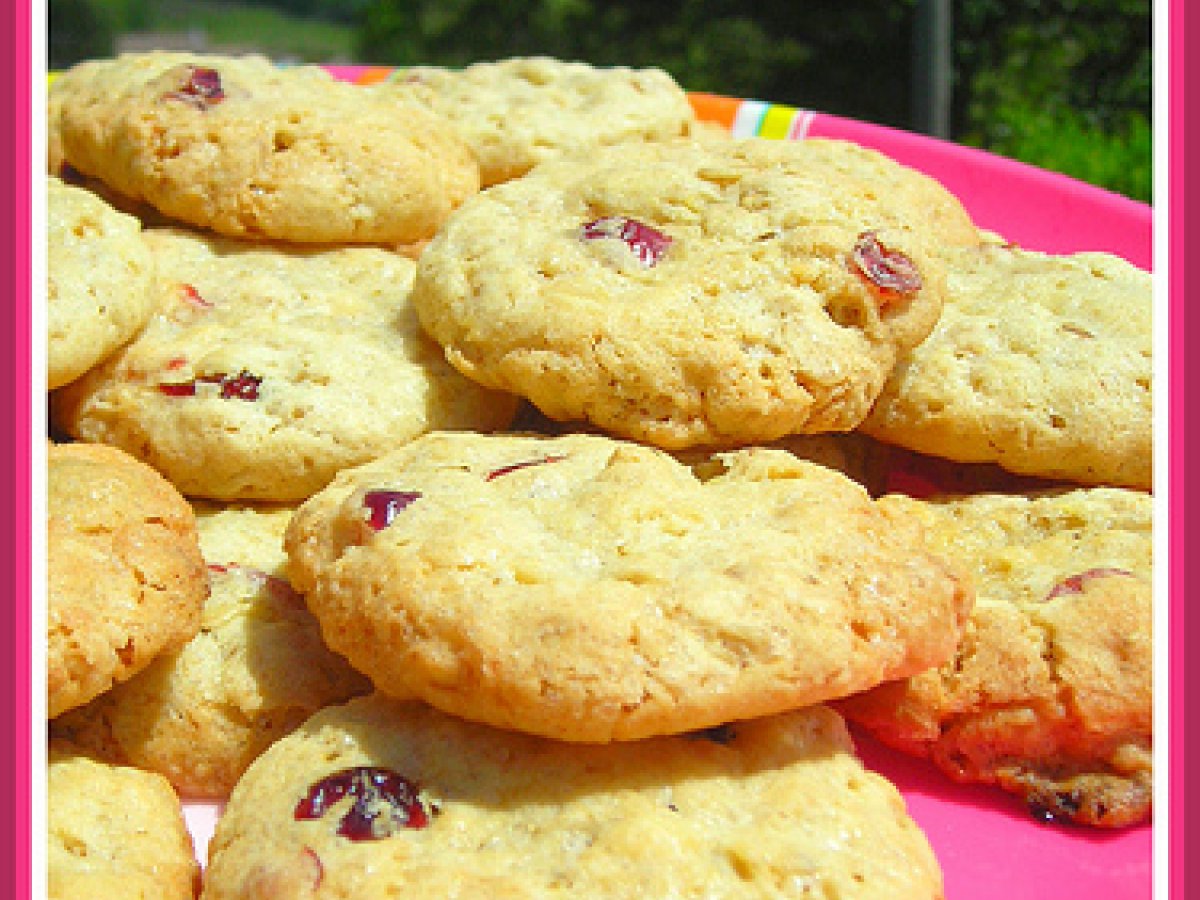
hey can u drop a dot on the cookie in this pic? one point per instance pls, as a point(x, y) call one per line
point(114, 831)
point(1041, 364)
point(383, 798)
point(687, 292)
point(257, 669)
point(515, 113)
point(591, 590)
point(99, 281)
point(125, 579)
point(1049, 695)
point(267, 368)
point(247, 148)
point(941, 209)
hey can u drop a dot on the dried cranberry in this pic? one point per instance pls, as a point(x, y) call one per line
point(505, 470)
point(383, 506)
point(193, 297)
point(890, 271)
point(181, 389)
point(201, 88)
point(243, 386)
point(647, 244)
point(383, 802)
point(1074, 583)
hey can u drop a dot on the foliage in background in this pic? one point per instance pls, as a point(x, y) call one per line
point(1063, 84)
point(75, 30)
point(809, 53)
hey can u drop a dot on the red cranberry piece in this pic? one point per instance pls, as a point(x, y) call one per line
point(181, 389)
point(243, 386)
point(890, 271)
point(383, 802)
point(193, 297)
point(383, 506)
point(1074, 583)
point(647, 244)
point(505, 470)
point(201, 88)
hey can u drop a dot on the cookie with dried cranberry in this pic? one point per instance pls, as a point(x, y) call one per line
point(99, 282)
point(247, 148)
point(255, 671)
point(1049, 695)
point(1041, 363)
point(267, 368)
point(590, 589)
point(687, 292)
point(114, 831)
point(381, 798)
point(125, 579)
point(515, 113)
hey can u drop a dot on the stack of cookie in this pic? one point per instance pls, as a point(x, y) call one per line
point(532, 439)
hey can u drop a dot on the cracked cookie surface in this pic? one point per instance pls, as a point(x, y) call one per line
point(1041, 364)
point(590, 589)
point(1050, 693)
point(256, 669)
point(267, 368)
point(690, 292)
point(125, 579)
point(780, 806)
point(248, 148)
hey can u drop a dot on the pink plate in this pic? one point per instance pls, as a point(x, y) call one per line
point(989, 846)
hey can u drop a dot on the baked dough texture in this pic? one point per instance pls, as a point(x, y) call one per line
point(267, 368)
point(691, 292)
point(256, 669)
point(114, 831)
point(592, 590)
point(1042, 364)
point(1050, 695)
point(125, 579)
point(778, 807)
point(251, 149)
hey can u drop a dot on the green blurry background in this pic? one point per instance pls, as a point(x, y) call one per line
point(1062, 84)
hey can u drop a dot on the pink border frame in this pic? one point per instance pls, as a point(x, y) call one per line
point(1181, 213)
point(17, 409)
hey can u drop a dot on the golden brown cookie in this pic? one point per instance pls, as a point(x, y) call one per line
point(1050, 693)
point(1042, 364)
point(382, 798)
point(255, 671)
point(689, 292)
point(125, 578)
point(99, 285)
point(248, 148)
point(114, 832)
point(515, 113)
point(592, 590)
point(267, 368)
